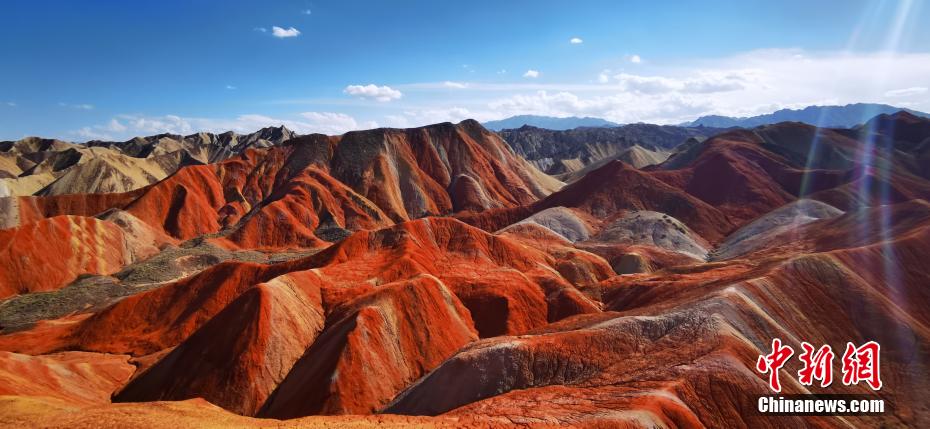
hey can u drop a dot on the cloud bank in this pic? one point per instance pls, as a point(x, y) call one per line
point(747, 84)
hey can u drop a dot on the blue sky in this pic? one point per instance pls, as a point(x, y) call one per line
point(112, 70)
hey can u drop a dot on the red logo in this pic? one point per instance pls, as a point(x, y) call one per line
point(859, 364)
point(773, 362)
point(862, 363)
point(817, 366)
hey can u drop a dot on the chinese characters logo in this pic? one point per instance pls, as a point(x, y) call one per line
point(859, 364)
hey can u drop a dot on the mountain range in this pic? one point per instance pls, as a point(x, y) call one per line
point(53, 167)
point(847, 116)
point(569, 154)
point(433, 277)
point(548, 122)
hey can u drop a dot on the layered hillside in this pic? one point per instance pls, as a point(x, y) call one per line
point(433, 277)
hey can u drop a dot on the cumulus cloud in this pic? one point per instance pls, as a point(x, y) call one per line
point(372, 91)
point(333, 123)
point(576, 41)
point(531, 74)
point(116, 126)
point(101, 132)
point(906, 92)
point(635, 59)
point(420, 117)
point(700, 82)
point(284, 32)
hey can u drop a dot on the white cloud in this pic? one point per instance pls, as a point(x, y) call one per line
point(620, 107)
point(747, 84)
point(124, 127)
point(230, 87)
point(282, 32)
point(77, 106)
point(116, 126)
point(502, 71)
point(306, 12)
point(333, 123)
point(700, 82)
point(92, 133)
point(372, 91)
point(576, 41)
point(456, 85)
point(636, 59)
point(420, 117)
point(101, 132)
point(531, 74)
point(260, 29)
point(906, 92)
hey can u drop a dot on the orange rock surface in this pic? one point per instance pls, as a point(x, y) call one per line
point(77, 378)
point(50, 253)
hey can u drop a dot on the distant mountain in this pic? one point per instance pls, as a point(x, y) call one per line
point(36, 166)
point(847, 116)
point(568, 154)
point(548, 122)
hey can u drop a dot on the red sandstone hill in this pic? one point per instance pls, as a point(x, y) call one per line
point(303, 194)
point(629, 298)
point(733, 178)
point(47, 254)
point(434, 170)
point(605, 192)
point(410, 295)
